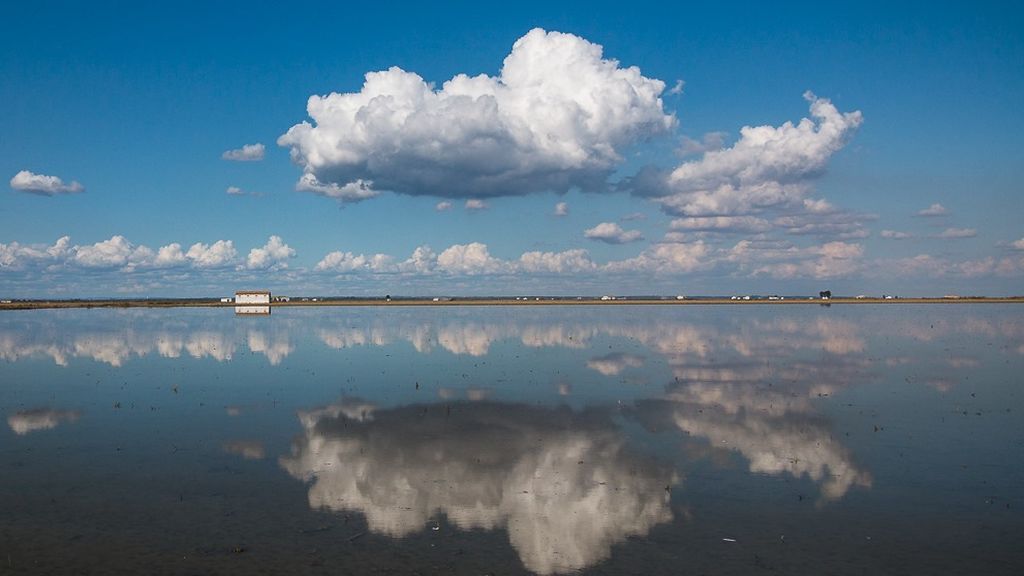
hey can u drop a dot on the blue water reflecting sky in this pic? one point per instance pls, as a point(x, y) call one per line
point(544, 440)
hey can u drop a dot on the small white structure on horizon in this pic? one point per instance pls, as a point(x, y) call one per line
point(252, 297)
point(226, 300)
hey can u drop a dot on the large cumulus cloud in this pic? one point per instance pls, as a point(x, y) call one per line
point(556, 117)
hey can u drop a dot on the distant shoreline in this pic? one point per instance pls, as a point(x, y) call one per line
point(212, 303)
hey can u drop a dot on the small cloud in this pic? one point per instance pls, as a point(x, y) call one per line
point(1018, 245)
point(443, 206)
point(561, 209)
point(475, 204)
point(247, 153)
point(236, 191)
point(678, 88)
point(354, 191)
point(43, 185)
point(933, 211)
point(274, 254)
point(728, 224)
point(634, 216)
point(344, 262)
point(612, 233)
point(958, 233)
point(894, 235)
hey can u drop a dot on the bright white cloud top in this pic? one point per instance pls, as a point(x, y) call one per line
point(274, 254)
point(769, 167)
point(934, 210)
point(43, 185)
point(555, 118)
point(612, 233)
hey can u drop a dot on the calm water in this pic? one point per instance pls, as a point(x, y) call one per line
point(697, 440)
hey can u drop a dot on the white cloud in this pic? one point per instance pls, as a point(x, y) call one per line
point(828, 224)
point(247, 153)
point(353, 191)
point(894, 235)
point(472, 258)
point(634, 216)
point(569, 261)
point(665, 258)
point(170, 255)
point(15, 256)
point(556, 117)
point(43, 185)
point(220, 253)
point(777, 260)
point(422, 261)
point(768, 167)
point(113, 253)
point(932, 266)
point(274, 254)
point(934, 210)
point(235, 191)
point(1018, 244)
point(612, 233)
point(721, 224)
point(956, 233)
point(343, 262)
point(561, 209)
point(443, 205)
point(677, 88)
point(475, 204)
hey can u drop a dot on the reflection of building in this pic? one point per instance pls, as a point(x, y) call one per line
point(253, 310)
point(252, 297)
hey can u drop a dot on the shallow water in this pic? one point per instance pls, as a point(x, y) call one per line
point(646, 440)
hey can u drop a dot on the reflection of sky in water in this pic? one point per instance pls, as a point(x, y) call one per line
point(572, 431)
point(562, 484)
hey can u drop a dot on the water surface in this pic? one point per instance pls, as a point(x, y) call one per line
point(789, 439)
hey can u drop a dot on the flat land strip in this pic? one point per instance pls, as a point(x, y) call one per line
point(586, 301)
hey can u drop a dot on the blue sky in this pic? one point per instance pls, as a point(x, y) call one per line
point(883, 155)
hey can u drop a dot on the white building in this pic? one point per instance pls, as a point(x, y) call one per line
point(252, 297)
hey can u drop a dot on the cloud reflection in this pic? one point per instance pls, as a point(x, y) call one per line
point(26, 421)
point(563, 484)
